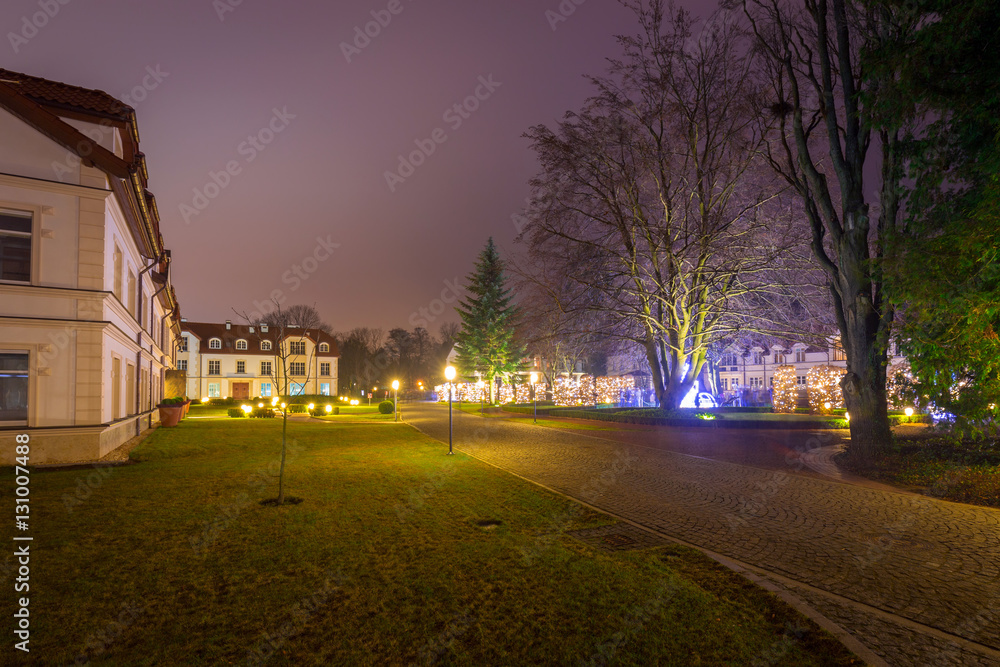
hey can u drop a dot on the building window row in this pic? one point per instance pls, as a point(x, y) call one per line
point(15, 246)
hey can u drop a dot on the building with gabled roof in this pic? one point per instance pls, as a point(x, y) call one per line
point(243, 362)
point(88, 317)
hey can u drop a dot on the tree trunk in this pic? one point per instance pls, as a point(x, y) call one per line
point(864, 387)
point(281, 470)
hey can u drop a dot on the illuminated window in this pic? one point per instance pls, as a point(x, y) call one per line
point(324, 388)
point(215, 344)
point(214, 390)
point(265, 345)
point(324, 347)
point(241, 344)
point(265, 388)
point(296, 389)
point(779, 357)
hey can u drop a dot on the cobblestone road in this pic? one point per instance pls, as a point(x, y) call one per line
point(910, 561)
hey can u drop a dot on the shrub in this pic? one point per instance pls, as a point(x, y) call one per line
point(236, 413)
point(262, 413)
point(172, 401)
point(386, 407)
point(297, 408)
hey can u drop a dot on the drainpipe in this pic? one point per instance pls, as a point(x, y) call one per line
point(138, 340)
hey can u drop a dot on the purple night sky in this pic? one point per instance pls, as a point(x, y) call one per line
point(322, 176)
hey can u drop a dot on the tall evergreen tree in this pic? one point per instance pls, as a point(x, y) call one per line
point(487, 343)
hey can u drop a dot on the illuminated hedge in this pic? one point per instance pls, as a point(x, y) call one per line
point(786, 392)
point(823, 387)
point(566, 391)
point(899, 386)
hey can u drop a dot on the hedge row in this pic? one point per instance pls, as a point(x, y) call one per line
point(647, 417)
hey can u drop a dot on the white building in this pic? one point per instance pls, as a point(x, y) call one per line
point(742, 370)
point(88, 317)
point(242, 362)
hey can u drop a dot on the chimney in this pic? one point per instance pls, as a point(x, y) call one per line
point(263, 328)
point(229, 325)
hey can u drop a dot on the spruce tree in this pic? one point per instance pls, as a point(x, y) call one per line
point(487, 343)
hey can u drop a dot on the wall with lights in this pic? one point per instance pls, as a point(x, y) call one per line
point(823, 387)
point(786, 391)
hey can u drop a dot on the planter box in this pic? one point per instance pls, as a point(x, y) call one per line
point(170, 415)
point(185, 405)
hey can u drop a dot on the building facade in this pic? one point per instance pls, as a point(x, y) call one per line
point(88, 316)
point(748, 374)
point(243, 362)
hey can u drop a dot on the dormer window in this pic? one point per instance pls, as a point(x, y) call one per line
point(263, 328)
point(265, 345)
point(215, 344)
point(324, 347)
point(241, 344)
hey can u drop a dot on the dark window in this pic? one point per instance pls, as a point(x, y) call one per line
point(297, 347)
point(13, 386)
point(15, 246)
point(297, 368)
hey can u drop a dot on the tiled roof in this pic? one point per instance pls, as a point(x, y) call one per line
point(205, 331)
point(65, 96)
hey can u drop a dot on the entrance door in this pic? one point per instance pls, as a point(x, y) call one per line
point(241, 391)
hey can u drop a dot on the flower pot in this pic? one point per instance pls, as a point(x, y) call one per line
point(185, 405)
point(170, 415)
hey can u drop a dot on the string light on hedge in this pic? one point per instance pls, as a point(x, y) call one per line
point(786, 391)
point(823, 387)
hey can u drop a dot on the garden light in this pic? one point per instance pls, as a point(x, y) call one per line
point(312, 406)
point(908, 412)
point(395, 400)
point(204, 399)
point(246, 408)
point(329, 408)
point(449, 374)
point(260, 405)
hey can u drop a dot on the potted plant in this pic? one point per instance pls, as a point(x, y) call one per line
point(186, 404)
point(171, 411)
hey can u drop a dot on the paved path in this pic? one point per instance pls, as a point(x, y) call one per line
point(915, 578)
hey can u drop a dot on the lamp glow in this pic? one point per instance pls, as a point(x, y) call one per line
point(246, 408)
point(395, 385)
point(329, 408)
point(908, 412)
point(260, 405)
point(312, 406)
point(450, 373)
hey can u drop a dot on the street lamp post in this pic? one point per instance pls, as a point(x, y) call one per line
point(534, 396)
point(395, 400)
point(449, 374)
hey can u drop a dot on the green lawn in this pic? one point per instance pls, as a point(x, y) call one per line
point(174, 561)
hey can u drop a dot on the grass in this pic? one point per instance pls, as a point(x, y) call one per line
point(965, 471)
point(174, 561)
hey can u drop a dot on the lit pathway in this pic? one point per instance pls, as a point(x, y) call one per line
point(916, 579)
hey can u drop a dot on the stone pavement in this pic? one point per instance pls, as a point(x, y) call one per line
point(916, 579)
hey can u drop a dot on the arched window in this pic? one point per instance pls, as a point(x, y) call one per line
point(265, 345)
point(324, 347)
point(215, 344)
point(241, 344)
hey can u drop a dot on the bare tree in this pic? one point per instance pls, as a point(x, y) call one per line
point(650, 199)
point(288, 332)
point(821, 149)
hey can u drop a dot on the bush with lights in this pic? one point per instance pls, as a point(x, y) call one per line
point(786, 391)
point(823, 387)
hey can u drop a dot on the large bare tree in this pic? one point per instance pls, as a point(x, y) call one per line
point(650, 201)
point(822, 145)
